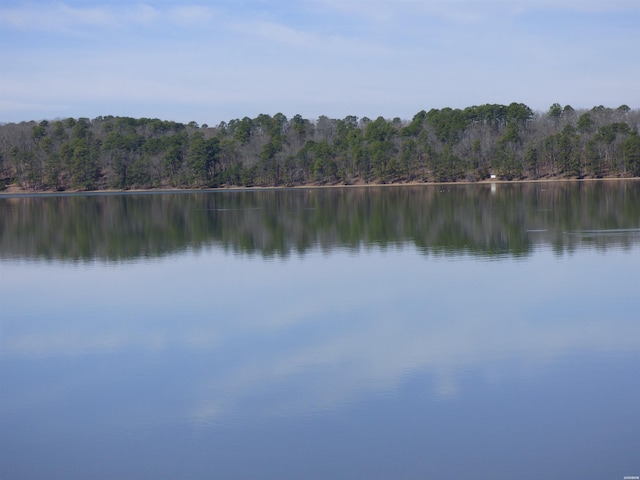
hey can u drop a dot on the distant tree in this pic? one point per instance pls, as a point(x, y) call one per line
point(83, 165)
point(197, 161)
point(301, 128)
point(593, 159)
point(568, 156)
point(173, 159)
point(518, 113)
point(585, 123)
point(414, 128)
point(52, 171)
point(442, 144)
point(555, 111)
point(631, 150)
point(531, 159)
point(242, 132)
point(139, 173)
point(81, 128)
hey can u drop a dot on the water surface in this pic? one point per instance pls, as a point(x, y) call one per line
point(424, 332)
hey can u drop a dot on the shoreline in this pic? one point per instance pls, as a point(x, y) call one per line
point(13, 190)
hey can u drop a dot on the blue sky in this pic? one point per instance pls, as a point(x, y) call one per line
point(214, 61)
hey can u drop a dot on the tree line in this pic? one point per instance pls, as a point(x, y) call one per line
point(439, 145)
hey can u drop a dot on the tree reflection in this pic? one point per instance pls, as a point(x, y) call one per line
point(441, 220)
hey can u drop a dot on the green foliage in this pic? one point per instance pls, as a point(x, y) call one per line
point(140, 173)
point(301, 127)
point(585, 123)
point(437, 145)
point(447, 167)
point(242, 130)
point(379, 131)
point(416, 125)
point(532, 160)
point(608, 133)
point(83, 165)
point(631, 152)
point(448, 124)
point(519, 113)
point(38, 131)
point(81, 128)
point(593, 159)
point(568, 158)
point(555, 111)
point(52, 171)
point(201, 160)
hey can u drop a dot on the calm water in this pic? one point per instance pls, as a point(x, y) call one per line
point(414, 333)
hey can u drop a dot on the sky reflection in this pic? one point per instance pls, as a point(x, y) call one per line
point(251, 339)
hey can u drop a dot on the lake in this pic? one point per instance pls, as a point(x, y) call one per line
point(428, 332)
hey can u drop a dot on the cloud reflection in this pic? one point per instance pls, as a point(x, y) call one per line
point(313, 334)
point(378, 357)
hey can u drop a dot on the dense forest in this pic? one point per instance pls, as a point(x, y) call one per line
point(441, 145)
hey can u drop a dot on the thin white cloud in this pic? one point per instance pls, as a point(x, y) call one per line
point(64, 18)
point(305, 42)
point(57, 17)
point(465, 11)
point(572, 5)
point(274, 32)
point(320, 57)
point(140, 14)
point(190, 15)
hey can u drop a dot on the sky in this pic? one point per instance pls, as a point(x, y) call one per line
point(215, 61)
